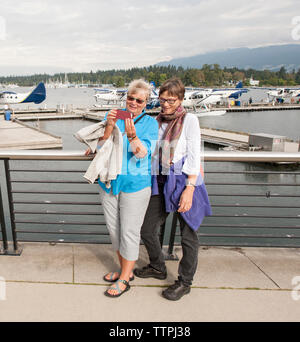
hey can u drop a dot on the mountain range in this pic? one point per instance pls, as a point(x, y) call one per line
point(262, 58)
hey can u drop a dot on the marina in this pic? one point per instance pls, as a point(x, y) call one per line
point(216, 136)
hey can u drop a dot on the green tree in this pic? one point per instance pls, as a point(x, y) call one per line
point(297, 77)
point(120, 82)
point(162, 78)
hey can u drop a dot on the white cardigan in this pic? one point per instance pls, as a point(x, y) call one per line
point(189, 144)
point(107, 163)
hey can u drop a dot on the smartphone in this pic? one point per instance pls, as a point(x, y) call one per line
point(122, 115)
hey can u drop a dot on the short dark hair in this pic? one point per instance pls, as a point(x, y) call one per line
point(174, 87)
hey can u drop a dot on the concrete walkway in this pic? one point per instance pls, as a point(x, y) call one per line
point(64, 283)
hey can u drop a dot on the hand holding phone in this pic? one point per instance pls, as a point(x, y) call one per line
point(122, 115)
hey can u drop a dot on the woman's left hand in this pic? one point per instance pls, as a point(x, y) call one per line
point(186, 199)
point(130, 128)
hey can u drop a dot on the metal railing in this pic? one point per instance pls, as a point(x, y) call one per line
point(40, 193)
point(4, 249)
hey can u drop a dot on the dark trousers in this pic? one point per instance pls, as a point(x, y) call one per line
point(155, 216)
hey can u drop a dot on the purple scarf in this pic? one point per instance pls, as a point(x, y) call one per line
point(172, 133)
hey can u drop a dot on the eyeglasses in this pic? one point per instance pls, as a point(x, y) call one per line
point(131, 98)
point(170, 101)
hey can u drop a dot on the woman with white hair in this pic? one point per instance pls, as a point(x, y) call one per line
point(126, 201)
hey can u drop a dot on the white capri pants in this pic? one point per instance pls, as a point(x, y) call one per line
point(124, 215)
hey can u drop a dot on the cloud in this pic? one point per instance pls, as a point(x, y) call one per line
point(91, 35)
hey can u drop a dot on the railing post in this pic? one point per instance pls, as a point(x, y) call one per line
point(162, 234)
point(16, 249)
point(3, 228)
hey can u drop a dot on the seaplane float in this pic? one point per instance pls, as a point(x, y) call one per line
point(203, 110)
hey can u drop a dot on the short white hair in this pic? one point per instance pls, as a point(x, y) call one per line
point(139, 85)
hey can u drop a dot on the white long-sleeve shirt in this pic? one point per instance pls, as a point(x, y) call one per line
point(189, 144)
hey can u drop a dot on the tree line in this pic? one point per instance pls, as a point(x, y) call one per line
point(208, 75)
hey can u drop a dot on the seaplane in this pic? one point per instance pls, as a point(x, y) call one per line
point(153, 101)
point(197, 97)
point(117, 97)
point(282, 94)
point(109, 96)
point(37, 96)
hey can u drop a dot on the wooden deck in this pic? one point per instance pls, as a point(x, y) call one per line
point(15, 135)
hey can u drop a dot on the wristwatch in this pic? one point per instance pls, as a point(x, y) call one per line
point(131, 139)
point(189, 183)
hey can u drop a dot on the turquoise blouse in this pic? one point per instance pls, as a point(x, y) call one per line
point(136, 173)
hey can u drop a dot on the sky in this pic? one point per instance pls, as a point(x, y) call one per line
point(49, 36)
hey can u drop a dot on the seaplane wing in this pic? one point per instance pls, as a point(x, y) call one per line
point(233, 93)
point(236, 94)
point(122, 91)
point(210, 99)
point(102, 90)
point(37, 96)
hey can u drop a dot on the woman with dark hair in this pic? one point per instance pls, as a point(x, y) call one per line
point(176, 186)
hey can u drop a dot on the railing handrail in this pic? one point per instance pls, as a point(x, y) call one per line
point(244, 156)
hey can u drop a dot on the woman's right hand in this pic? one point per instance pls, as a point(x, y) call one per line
point(111, 117)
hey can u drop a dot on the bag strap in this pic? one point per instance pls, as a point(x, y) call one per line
point(136, 121)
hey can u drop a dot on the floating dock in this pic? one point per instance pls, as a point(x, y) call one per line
point(248, 141)
point(259, 108)
point(238, 140)
point(17, 135)
point(32, 114)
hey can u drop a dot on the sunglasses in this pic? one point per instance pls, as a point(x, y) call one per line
point(170, 101)
point(131, 98)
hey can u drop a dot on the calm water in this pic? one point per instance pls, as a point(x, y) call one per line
point(285, 122)
point(235, 215)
